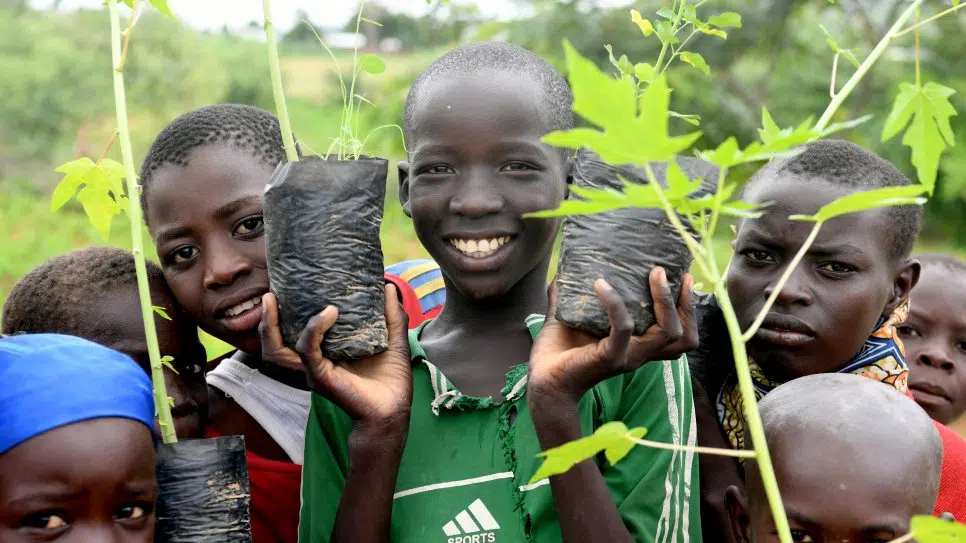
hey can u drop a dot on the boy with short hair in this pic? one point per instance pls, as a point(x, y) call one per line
point(839, 309)
point(203, 183)
point(935, 337)
point(76, 442)
point(436, 439)
point(93, 293)
point(842, 478)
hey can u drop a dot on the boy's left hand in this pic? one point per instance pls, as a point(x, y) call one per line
point(566, 362)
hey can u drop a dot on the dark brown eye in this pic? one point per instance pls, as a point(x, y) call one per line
point(182, 254)
point(250, 226)
point(907, 331)
point(47, 520)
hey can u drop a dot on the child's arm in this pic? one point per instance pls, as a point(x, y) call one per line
point(376, 393)
point(565, 364)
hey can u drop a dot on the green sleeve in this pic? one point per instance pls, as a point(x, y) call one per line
point(657, 491)
point(324, 469)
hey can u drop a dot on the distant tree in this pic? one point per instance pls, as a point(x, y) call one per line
point(302, 31)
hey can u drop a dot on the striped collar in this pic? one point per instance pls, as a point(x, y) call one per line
point(447, 396)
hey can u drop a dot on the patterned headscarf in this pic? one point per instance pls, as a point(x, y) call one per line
point(882, 357)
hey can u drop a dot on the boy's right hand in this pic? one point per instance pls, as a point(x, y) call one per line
point(375, 392)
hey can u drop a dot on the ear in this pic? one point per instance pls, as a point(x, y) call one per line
point(907, 275)
point(737, 505)
point(403, 168)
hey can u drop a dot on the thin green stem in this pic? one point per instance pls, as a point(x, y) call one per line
point(715, 212)
point(137, 243)
point(347, 123)
point(918, 54)
point(866, 65)
point(929, 20)
point(685, 448)
point(753, 426)
point(288, 141)
point(781, 282)
point(696, 249)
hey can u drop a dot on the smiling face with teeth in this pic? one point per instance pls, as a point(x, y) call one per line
point(477, 165)
point(206, 221)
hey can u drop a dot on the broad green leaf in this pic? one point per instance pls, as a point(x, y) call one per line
point(690, 15)
point(161, 312)
point(769, 131)
point(665, 31)
point(575, 138)
point(728, 19)
point(162, 6)
point(678, 184)
point(612, 438)
point(665, 13)
point(936, 530)
point(697, 61)
point(644, 71)
point(372, 64)
point(99, 189)
point(623, 65)
point(599, 98)
point(166, 361)
point(76, 173)
point(646, 27)
point(865, 200)
point(929, 132)
point(128, 3)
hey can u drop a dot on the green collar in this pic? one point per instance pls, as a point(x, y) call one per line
point(446, 396)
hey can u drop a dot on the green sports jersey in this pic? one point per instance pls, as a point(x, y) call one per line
point(466, 467)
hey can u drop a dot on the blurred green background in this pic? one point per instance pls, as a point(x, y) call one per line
point(57, 101)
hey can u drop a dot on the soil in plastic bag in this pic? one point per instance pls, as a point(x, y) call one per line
point(322, 220)
point(621, 247)
point(204, 493)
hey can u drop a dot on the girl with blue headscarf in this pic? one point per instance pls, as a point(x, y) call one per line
point(77, 460)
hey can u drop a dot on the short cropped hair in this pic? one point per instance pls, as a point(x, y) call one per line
point(938, 260)
point(844, 163)
point(249, 129)
point(489, 56)
point(53, 297)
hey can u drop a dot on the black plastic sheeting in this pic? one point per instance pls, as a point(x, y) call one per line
point(203, 492)
point(620, 246)
point(322, 220)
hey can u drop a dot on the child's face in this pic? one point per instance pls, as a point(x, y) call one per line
point(477, 166)
point(830, 498)
point(833, 299)
point(177, 338)
point(206, 221)
point(87, 481)
point(935, 340)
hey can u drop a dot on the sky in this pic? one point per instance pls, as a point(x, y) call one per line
point(213, 14)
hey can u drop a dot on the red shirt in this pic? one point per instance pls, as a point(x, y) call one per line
point(952, 482)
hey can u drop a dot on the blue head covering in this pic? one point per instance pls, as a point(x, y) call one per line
point(51, 380)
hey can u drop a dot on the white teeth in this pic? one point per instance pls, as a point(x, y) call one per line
point(243, 307)
point(479, 248)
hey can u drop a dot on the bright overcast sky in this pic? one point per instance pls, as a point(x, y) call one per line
point(213, 14)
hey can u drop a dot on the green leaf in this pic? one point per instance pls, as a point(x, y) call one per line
point(665, 32)
point(623, 65)
point(847, 53)
point(644, 71)
point(929, 132)
point(646, 27)
point(692, 119)
point(162, 6)
point(166, 361)
point(865, 200)
point(599, 98)
point(372, 64)
point(128, 3)
point(161, 312)
point(612, 438)
point(769, 131)
point(665, 13)
point(936, 530)
point(845, 125)
point(99, 189)
point(728, 19)
point(696, 61)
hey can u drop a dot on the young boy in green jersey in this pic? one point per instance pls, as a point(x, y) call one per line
point(435, 440)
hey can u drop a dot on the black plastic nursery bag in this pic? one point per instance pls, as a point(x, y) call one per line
point(322, 220)
point(203, 492)
point(620, 246)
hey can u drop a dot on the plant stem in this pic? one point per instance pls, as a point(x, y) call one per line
point(107, 149)
point(929, 20)
point(866, 65)
point(287, 140)
point(137, 243)
point(918, 70)
point(909, 536)
point(696, 249)
point(753, 426)
point(781, 282)
point(700, 450)
point(347, 126)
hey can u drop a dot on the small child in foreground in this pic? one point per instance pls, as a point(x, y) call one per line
point(843, 475)
point(76, 443)
point(935, 337)
point(93, 293)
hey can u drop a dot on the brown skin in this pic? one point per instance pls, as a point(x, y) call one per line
point(935, 340)
point(477, 165)
point(120, 313)
point(105, 493)
point(833, 299)
point(866, 499)
point(212, 250)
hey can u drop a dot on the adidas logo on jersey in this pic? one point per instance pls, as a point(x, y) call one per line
point(474, 524)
